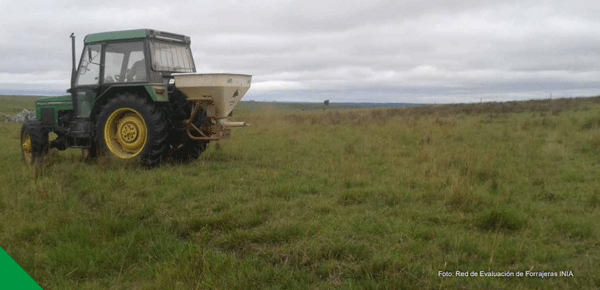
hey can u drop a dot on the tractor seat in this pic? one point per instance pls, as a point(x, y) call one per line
point(137, 72)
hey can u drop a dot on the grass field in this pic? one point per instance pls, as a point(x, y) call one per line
point(324, 199)
point(14, 104)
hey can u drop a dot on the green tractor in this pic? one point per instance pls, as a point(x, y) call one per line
point(136, 95)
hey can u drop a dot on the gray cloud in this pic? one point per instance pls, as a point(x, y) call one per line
point(425, 51)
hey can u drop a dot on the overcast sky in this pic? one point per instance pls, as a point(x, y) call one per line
point(347, 51)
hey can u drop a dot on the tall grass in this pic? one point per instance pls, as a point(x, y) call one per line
point(351, 199)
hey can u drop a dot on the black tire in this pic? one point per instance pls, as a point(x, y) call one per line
point(34, 142)
point(151, 151)
point(190, 151)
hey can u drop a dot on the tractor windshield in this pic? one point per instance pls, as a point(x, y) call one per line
point(171, 57)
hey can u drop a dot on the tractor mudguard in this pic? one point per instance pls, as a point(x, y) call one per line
point(153, 92)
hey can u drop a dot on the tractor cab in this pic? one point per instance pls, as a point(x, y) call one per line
point(116, 60)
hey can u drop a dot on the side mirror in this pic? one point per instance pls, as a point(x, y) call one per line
point(89, 53)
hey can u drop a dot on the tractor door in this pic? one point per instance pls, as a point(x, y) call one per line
point(124, 63)
point(87, 82)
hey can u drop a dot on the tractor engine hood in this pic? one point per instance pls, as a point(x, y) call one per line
point(225, 90)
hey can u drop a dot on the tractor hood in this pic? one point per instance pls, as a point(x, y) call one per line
point(53, 100)
point(225, 90)
point(51, 106)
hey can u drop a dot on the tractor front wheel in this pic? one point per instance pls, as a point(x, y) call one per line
point(34, 141)
point(129, 126)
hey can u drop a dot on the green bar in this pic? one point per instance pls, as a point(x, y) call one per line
point(12, 276)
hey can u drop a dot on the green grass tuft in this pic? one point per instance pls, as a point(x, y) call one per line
point(502, 219)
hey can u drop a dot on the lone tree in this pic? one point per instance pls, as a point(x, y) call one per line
point(326, 102)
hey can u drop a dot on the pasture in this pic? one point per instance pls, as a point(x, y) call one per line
point(323, 198)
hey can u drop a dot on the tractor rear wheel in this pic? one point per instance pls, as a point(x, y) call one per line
point(129, 126)
point(190, 151)
point(34, 142)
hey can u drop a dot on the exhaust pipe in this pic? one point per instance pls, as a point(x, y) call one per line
point(73, 71)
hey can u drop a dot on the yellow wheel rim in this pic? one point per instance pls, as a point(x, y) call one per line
point(125, 133)
point(26, 147)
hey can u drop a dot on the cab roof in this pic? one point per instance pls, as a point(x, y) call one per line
point(135, 34)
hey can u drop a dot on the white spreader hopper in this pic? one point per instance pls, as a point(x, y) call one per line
point(226, 90)
point(216, 94)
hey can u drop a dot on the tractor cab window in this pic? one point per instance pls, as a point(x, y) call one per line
point(171, 57)
point(125, 62)
point(89, 66)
